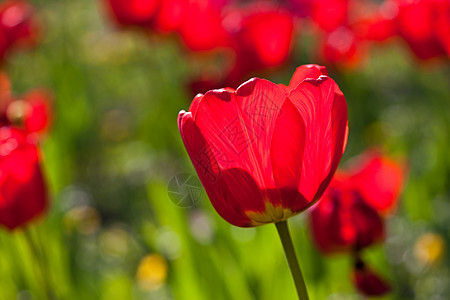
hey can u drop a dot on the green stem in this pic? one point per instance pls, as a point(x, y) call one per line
point(38, 257)
point(288, 247)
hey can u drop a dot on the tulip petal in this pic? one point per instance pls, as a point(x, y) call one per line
point(368, 223)
point(195, 103)
point(23, 194)
point(306, 71)
point(197, 148)
point(332, 230)
point(261, 102)
point(323, 108)
point(379, 181)
point(25, 200)
point(39, 117)
point(209, 172)
point(319, 224)
point(288, 143)
point(240, 193)
point(239, 127)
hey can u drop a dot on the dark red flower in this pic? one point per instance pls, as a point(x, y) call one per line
point(344, 222)
point(132, 12)
point(264, 152)
point(23, 195)
point(349, 215)
point(18, 27)
point(301, 8)
point(368, 282)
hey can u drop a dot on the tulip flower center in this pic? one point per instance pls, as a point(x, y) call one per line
point(271, 214)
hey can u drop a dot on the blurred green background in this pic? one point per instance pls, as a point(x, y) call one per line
point(114, 146)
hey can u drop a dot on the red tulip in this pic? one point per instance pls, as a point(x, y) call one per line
point(376, 29)
point(368, 282)
point(443, 25)
point(349, 216)
point(267, 35)
point(378, 179)
point(264, 152)
point(301, 8)
point(419, 22)
point(344, 222)
point(330, 14)
point(32, 113)
point(342, 47)
point(132, 12)
point(201, 26)
point(18, 27)
point(23, 194)
point(5, 98)
point(170, 15)
point(262, 38)
point(378, 24)
point(303, 72)
point(39, 115)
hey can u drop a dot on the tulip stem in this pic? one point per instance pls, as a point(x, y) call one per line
point(289, 250)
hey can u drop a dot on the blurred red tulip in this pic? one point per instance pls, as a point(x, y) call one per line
point(39, 116)
point(374, 29)
point(132, 12)
point(342, 47)
point(31, 113)
point(419, 22)
point(330, 14)
point(23, 194)
point(18, 27)
point(349, 215)
point(201, 26)
point(301, 8)
point(343, 222)
point(265, 153)
point(378, 179)
point(262, 37)
point(170, 15)
point(266, 36)
point(5, 98)
point(368, 282)
point(378, 24)
point(442, 26)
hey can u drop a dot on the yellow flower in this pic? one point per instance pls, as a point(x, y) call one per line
point(429, 248)
point(152, 272)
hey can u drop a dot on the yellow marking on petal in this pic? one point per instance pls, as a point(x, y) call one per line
point(271, 214)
